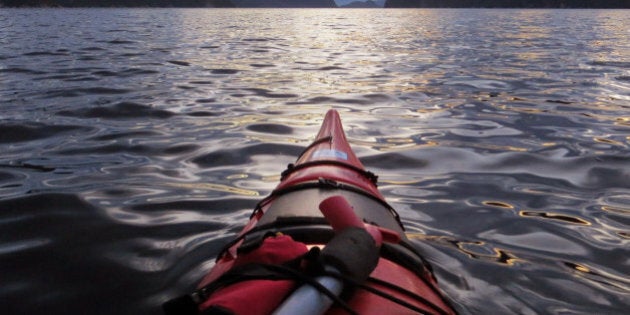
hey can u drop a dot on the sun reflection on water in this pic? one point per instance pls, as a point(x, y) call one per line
point(474, 249)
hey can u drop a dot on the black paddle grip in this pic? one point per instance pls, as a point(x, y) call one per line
point(353, 252)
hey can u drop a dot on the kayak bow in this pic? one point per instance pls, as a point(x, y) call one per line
point(325, 241)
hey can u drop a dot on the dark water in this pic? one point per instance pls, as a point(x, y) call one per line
point(134, 144)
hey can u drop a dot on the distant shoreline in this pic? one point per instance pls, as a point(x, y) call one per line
point(341, 7)
point(373, 4)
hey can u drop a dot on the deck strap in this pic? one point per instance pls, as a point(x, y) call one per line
point(373, 178)
point(323, 183)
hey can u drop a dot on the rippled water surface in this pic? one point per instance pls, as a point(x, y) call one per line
point(134, 143)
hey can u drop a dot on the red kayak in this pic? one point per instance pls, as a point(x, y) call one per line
point(325, 241)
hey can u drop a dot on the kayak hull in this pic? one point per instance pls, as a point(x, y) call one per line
point(325, 169)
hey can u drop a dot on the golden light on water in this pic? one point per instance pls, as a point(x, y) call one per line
point(554, 216)
point(614, 280)
point(616, 209)
point(473, 249)
point(237, 176)
point(499, 204)
point(215, 187)
point(399, 182)
point(539, 214)
point(625, 121)
point(396, 144)
point(581, 268)
point(608, 141)
point(400, 140)
point(272, 178)
point(486, 146)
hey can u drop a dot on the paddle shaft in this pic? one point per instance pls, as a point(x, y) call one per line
point(307, 300)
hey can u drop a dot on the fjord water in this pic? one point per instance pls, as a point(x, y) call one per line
point(135, 142)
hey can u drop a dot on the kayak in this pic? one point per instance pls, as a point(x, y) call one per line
point(325, 241)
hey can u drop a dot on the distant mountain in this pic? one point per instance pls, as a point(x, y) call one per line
point(361, 4)
point(285, 3)
point(119, 3)
point(507, 4)
point(344, 3)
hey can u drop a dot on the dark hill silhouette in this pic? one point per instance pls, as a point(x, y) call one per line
point(285, 3)
point(119, 3)
point(507, 4)
point(174, 3)
point(361, 4)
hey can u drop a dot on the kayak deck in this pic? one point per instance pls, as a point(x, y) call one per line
point(399, 282)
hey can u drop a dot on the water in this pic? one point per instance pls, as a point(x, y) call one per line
point(136, 142)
